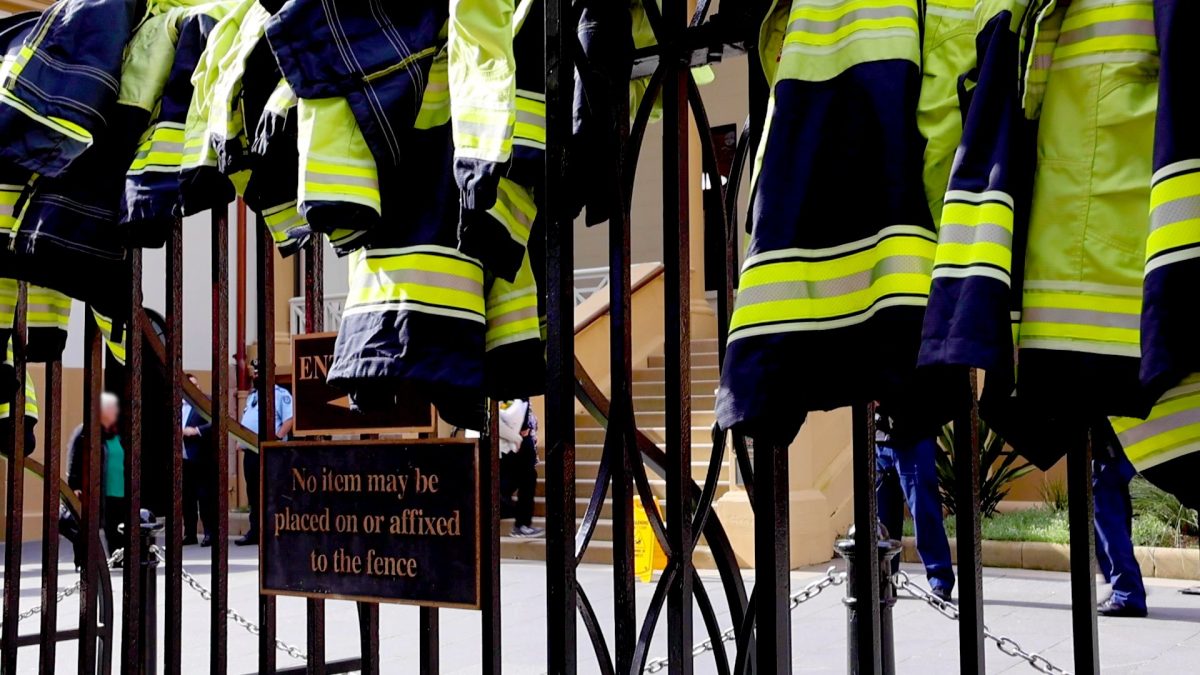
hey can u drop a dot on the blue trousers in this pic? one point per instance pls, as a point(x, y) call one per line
point(908, 473)
point(1114, 530)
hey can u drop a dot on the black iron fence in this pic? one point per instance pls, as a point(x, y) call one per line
point(760, 638)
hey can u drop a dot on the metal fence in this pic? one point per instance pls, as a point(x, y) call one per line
point(760, 639)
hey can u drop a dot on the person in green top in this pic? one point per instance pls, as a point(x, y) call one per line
point(113, 505)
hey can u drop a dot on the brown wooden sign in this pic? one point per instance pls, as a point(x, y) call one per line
point(380, 521)
point(322, 410)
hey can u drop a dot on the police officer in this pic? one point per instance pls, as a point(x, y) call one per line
point(283, 427)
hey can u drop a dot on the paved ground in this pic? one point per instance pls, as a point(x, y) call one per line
point(1030, 607)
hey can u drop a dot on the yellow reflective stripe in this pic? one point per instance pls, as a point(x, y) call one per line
point(282, 220)
point(515, 209)
point(31, 404)
point(424, 279)
point(975, 237)
point(823, 26)
point(785, 287)
point(530, 121)
point(1085, 322)
point(57, 124)
point(512, 320)
point(1171, 430)
point(1174, 214)
point(161, 148)
point(1119, 28)
point(105, 325)
point(48, 308)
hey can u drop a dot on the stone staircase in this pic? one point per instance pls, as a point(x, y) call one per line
point(649, 398)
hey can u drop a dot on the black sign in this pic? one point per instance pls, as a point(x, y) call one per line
point(390, 521)
point(322, 410)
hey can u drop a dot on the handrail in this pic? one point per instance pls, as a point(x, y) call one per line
point(191, 392)
point(602, 309)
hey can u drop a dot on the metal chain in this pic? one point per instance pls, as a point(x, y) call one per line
point(798, 598)
point(234, 616)
point(1005, 644)
point(64, 593)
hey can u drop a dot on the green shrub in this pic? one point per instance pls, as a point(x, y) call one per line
point(999, 467)
point(1054, 494)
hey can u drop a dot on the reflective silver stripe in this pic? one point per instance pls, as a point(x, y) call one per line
point(949, 13)
point(1164, 259)
point(1162, 174)
point(831, 324)
point(1083, 287)
point(865, 34)
point(336, 179)
point(525, 93)
point(992, 233)
point(526, 117)
point(1107, 29)
point(841, 249)
point(1082, 346)
point(831, 26)
point(403, 277)
point(832, 288)
point(978, 197)
point(482, 130)
point(1082, 317)
point(286, 225)
point(161, 146)
point(401, 305)
point(502, 197)
point(989, 271)
point(1151, 428)
point(7, 209)
point(1174, 211)
point(513, 316)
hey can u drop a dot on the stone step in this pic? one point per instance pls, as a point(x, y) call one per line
point(584, 485)
point(658, 402)
point(706, 358)
point(589, 469)
point(699, 374)
point(648, 419)
point(701, 435)
point(598, 551)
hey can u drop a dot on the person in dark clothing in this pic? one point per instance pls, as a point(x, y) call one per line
point(518, 465)
point(199, 477)
point(113, 504)
point(906, 472)
point(1111, 473)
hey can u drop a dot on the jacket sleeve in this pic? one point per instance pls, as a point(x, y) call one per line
point(482, 95)
point(1170, 329)
point(969, 320)
point(61, 87)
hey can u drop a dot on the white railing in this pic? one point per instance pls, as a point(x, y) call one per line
point(588, 281)
point(334, 304)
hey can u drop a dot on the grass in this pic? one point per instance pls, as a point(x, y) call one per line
point(1045, 524)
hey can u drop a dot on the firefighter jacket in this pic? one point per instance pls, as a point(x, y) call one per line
point(1170, 325)
point(273, 185)
point(58, 92)
point(843, 244)
point(489, 40)
point(152, 182)
point(203, 181)
point(975, 297)
point(47, 314)
point(374, 55)
point(1092, 82)
point(422, 314)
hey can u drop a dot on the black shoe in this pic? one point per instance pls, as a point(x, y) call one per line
point(206, 541)
point(189, 541)
point(527, 532)
point(941, 593)
point(249, 539)
point(1111, 607)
